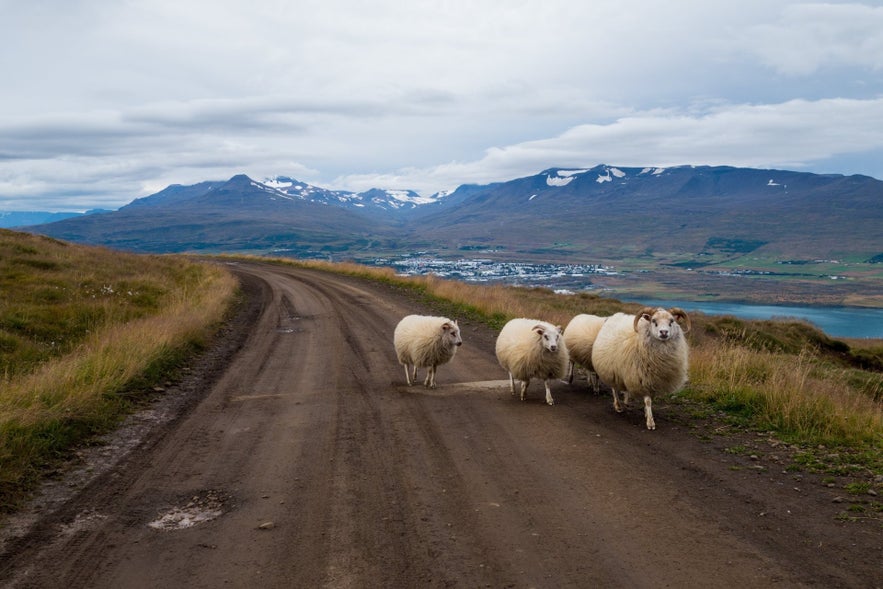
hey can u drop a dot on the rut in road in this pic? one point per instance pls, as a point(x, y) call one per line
point(320, 468)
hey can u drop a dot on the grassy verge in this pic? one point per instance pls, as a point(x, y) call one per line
point(81, 330)
point(785, 377)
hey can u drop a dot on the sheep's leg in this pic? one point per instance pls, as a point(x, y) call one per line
point(570, 372)
point(616, 404)
point(430, 378)
point(511, 383)
point(413, 375)
point(648, 412)
point(524, 384)
point(408, 373)
point(595, 381)
point(549, 398)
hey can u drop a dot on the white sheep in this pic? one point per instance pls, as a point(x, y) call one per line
point(529, 348)
point(579, 337)
point(643, 354)
point(425, 341)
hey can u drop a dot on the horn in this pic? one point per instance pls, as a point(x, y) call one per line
point(680, 315)
point(645, 312)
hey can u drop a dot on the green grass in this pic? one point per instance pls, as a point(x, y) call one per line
point(84, 331)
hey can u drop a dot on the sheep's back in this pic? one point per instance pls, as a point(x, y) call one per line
point(519, 351)
point(580, 335)
point(613, 349)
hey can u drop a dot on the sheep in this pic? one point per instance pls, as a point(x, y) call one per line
point(579, 337)
point(425, 341)
point(529, 348)
point(644, 354)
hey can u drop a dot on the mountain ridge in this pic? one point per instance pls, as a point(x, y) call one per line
point(568, 213)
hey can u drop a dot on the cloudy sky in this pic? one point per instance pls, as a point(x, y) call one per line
point(104, 101)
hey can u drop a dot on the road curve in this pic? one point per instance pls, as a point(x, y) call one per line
point(309, 463)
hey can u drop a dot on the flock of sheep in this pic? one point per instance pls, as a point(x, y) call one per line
point(642, 355)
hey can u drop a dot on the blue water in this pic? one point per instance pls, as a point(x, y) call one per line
point(835, 321)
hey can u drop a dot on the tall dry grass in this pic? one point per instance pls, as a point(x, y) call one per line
point(798, 395)
point(82, 388)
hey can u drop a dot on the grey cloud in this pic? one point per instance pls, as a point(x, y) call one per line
point(807, 37)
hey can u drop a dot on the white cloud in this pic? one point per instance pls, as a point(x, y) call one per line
point(104, 101)
point(792, 135)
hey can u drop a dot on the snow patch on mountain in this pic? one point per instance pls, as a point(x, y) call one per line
point(280, 183)
point(269, 189)
point(408, 197)
point(559, 181)
point(609, 174)
point(562, 177)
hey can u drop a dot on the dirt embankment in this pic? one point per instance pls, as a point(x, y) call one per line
point(293, 455)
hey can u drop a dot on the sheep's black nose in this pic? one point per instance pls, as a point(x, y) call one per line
point(459, 343)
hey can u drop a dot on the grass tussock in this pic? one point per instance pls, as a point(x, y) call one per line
point(783, 376)
point(798, 395)
point(85, 330)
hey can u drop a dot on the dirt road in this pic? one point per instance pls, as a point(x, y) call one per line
point(307, 462)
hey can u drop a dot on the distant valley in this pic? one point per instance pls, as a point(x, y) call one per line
point(705, 232)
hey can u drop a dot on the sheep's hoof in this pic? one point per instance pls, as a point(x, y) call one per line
point(550, 401)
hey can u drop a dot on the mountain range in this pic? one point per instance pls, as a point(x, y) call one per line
point(591, 214)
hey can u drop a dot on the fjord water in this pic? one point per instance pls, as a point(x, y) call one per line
point(835, 321)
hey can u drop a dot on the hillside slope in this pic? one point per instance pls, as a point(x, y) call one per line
point(603, 213)
point(610, 212)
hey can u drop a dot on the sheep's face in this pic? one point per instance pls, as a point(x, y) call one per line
point(663, 325)
point(550, 338)
point(451, 333)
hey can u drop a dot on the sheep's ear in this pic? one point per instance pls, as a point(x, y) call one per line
point(682, 318)
point(646, 313)
point(539, 329)
point(446, 326)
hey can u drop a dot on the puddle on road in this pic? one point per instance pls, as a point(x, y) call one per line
point(200, 508)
